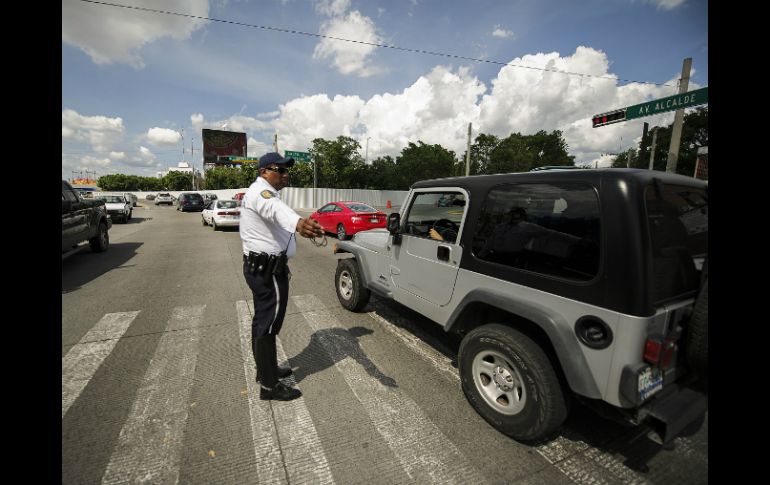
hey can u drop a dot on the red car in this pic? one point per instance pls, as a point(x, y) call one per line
point(348, 218)
point(239, 196)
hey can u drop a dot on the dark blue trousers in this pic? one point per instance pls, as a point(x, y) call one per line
point(271, 295)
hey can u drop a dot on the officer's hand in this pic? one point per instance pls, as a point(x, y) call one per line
point(309, 228)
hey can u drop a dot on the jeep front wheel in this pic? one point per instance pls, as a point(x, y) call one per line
point(511, 383)
point(350, 288)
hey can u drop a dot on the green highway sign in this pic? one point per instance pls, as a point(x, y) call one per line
point(298, 156)
point(671, 103)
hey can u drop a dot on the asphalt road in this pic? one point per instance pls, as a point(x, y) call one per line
point(157, 382)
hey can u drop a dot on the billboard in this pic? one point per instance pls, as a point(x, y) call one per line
point(222, 143)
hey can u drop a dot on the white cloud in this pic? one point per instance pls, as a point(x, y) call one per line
point(667, 4)
point(100, 132)
point(163, 136)
point(501, 32)
point(117, 155)
point(257, 148)
point(332, 7)
point(349, 57)
point(113, 34)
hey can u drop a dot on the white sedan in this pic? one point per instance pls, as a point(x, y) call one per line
point(222, 213)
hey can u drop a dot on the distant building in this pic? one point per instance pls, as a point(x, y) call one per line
point(180, 167)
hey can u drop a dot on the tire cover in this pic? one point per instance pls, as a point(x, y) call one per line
point(697, 332)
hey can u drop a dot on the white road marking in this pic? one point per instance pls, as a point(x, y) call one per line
point(149, 445)
point(84, 358)
point(424, 452)
point(288, 423)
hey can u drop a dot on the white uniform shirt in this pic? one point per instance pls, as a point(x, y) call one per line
point(267, 223)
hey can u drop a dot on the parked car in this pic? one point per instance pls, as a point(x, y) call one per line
point(348, 218)
point(189, 202)
point(164, 198)
point(83, 220)
point(239, 196)
point(208, 197)
point(562, 284)
point(150, 196)
point(222, 213)
point(118, 206)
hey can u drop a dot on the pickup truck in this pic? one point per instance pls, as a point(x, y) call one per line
point(563, 284)
point(83, 220)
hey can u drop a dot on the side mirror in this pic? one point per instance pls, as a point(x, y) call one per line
point(394, 223)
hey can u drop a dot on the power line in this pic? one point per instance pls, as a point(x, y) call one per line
point(406, 49)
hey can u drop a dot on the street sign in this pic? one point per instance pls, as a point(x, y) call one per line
point(671, 103)
point(298, 156)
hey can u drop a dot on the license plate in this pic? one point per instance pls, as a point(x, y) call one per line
point(650, 382)
point(374, 220)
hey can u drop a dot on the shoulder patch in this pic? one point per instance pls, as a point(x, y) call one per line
point(266, 194)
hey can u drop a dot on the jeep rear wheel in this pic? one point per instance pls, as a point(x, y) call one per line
point(350, 288)
point(698, 333)
point(511, 383)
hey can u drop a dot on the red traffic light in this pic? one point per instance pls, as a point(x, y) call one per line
point(608, 118)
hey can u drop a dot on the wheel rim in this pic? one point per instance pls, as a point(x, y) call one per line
point(346, 285)
point(499, 382)
point(340, 232)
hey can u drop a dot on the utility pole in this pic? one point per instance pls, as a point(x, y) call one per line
point(192, 163)
point(652, 150)
point(275, 143)
point(468, 153)
point(676, 132)
point(367, 149)
point(644, 140)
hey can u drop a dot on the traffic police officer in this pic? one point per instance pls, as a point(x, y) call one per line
point(267, 229)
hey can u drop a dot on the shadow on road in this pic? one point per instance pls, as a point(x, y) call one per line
point(332, 345)
point(80, 268)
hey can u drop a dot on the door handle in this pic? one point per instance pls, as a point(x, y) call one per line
point(442, 253)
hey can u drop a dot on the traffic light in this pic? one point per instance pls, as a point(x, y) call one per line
point(609, 117)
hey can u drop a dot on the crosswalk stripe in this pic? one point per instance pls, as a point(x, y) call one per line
point(149, 445)
point(287, 423)
point(425, 453)
point(84, 358)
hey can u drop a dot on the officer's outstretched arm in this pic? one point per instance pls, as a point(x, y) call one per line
point(309, 228)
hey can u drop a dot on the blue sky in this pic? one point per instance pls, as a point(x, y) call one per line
point(137, 86)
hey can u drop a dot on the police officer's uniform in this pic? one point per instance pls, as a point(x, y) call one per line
point(267, 228)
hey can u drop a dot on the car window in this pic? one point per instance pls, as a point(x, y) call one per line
point(113, 199)
point(552, 229)
point(361, 208)
point(327, 208)
point(425, 213)
point(677, 219)
point(228, 204)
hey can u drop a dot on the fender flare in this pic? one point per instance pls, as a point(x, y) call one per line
point(560, 333)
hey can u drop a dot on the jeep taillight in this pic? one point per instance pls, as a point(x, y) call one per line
point(661, 351)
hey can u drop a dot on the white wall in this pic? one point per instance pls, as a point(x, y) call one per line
point(300, 198)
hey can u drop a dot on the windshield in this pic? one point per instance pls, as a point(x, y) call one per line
point(113, 199)
point(228, 204)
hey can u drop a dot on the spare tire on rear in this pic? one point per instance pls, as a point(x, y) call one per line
point(698, 333)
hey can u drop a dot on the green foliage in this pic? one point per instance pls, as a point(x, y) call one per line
point(421, 161)
point(695, 134)
point(177, 181)
point(339, 163)
point(121, 182)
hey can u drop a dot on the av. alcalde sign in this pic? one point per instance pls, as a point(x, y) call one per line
point(671, 103)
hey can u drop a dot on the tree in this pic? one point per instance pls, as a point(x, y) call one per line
point(695, 134)
point(177, 181)
point(337, 161)
point(421, 161)
point(382, 173)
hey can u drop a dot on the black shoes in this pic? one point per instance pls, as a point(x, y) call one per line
point(268, 372)
point(279, 392)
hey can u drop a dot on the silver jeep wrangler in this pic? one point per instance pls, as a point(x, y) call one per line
point(583, 283)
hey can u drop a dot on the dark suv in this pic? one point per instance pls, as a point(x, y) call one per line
point(562, 283)
point(190, 202)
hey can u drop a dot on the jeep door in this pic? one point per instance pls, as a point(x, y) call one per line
point(426, 262)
